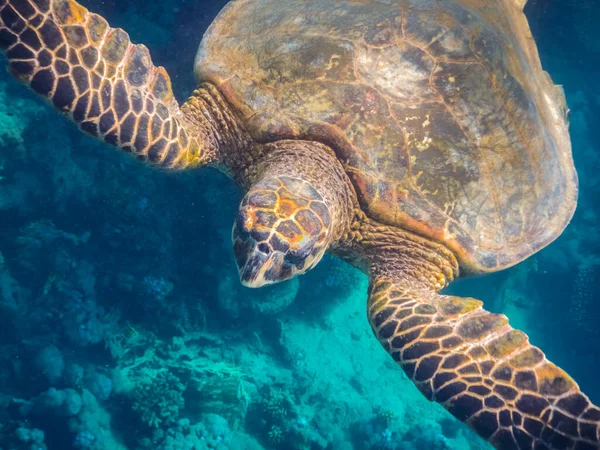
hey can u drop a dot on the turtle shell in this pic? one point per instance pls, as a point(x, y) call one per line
point(439, 111)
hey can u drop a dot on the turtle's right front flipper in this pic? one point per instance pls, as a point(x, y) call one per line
point(483, 371)
point(97, 77)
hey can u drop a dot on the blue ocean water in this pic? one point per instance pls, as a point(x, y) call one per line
point(123, 324)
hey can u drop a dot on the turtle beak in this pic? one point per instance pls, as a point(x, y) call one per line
point(258, 263)
point(260, 269)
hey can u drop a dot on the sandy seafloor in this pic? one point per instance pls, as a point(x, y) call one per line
point(123, 324)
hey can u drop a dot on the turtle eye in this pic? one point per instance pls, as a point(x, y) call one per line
point(264, 248)
point(297, 256)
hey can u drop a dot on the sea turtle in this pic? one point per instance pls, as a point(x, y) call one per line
point(416, 139)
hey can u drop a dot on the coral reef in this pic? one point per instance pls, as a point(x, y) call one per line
point(158, 398)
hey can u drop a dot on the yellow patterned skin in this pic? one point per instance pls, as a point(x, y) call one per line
point(471, 361)
point(292, 212)
point(281, 230)
point(98, 78)
point(483, 371)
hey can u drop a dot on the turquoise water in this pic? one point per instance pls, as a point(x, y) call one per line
point(123, 324)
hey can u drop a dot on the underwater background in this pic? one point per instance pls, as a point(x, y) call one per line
point(123, 324)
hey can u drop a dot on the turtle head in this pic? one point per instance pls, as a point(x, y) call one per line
point(281, 230)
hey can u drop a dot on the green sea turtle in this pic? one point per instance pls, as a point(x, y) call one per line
point(416, 139)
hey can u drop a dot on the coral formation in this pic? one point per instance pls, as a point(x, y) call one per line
point(158, 398)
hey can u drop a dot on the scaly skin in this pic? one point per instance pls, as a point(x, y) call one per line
point(482, 370)
point(108, 86)
point(473, 362)
point(300, 201)
point(285, 220)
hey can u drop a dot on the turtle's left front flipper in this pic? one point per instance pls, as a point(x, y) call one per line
point(98, 78)
point(483, 371)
